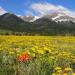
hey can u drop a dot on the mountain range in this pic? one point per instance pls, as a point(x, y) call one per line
point(55, 16)
point(55, 23)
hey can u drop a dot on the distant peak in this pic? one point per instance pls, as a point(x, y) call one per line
point(29, 18)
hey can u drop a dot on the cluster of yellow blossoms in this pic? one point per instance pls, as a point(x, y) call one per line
point(65, 71)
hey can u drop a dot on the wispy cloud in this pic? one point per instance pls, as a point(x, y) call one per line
point(2, 11)
point(47, 8)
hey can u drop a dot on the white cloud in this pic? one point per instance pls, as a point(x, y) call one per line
point(47, 8)
point(2, 11)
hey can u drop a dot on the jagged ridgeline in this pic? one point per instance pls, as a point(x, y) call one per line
point(10, 24)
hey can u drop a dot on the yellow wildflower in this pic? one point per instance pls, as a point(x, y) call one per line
point(65, 74)
point(68, 69)
point(58, 68)
point(73, 73)
point(53, 74)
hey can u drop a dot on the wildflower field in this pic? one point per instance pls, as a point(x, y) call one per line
point(37, 55)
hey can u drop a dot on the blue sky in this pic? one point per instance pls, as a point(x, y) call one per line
point(25, 7)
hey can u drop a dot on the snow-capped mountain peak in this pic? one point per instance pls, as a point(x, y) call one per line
point(58, 17)
point(29, 18)
point(2, 11)
point(35, 18)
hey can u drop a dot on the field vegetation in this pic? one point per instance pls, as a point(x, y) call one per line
point(37, 55)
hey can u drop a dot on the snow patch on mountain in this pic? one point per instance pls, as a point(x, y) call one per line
point(2, 11)
point(35, 18)
point(59, 15)
point(61, 20)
